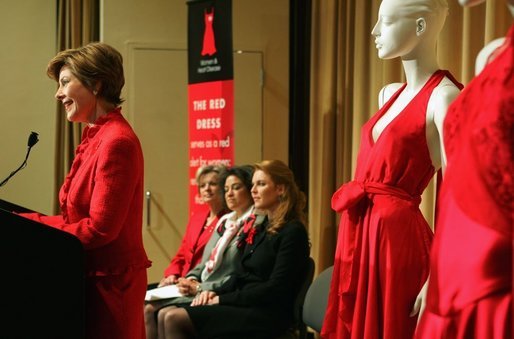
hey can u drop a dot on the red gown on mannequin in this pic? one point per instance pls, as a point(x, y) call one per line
point(470, 288)
point(382, 254)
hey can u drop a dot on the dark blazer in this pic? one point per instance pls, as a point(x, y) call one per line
point(259, 298)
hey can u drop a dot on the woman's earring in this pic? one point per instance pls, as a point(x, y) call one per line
point(95, 92)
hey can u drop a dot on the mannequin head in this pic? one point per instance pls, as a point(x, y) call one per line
point(403, 25)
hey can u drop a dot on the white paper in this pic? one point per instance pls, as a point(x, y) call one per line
point(164, 292)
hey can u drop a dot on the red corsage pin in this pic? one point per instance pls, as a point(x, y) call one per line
point(251, 235)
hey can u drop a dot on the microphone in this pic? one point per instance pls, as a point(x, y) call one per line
point(33, 139)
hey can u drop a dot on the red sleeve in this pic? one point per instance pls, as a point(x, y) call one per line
point(176, 265)
point(44, 219)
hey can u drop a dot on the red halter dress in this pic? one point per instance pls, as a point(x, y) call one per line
point(382, 254)
point(470, 290)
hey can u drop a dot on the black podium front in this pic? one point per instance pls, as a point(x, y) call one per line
point(42, 280)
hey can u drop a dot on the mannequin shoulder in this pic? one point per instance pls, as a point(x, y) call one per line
point(387, 92)
point(442, 96)
point(485, 52)
point(446, 91)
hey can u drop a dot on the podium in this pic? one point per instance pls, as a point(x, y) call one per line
point(43, 286)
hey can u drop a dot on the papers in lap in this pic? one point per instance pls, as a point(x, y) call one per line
point(164, 292)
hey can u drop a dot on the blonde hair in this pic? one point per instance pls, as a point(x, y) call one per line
point(203, 170)
point(292, 203)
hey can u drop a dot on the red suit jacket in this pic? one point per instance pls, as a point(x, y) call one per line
point(101, 204)
point(193, 244)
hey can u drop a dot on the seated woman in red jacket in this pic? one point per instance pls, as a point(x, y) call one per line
point(200, 226)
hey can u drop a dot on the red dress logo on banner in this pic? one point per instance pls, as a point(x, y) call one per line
point(209, 45)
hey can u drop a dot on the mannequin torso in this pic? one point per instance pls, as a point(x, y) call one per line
point(440, 99)
point(408, 30)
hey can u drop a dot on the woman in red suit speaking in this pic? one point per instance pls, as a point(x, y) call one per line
point(101, 198)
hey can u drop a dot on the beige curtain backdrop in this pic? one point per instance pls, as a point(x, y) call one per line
point(77, 24)
point(346, 77)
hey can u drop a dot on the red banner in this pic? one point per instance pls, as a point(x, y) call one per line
point(211, 129)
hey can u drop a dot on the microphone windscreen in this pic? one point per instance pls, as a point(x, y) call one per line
point(33, 139)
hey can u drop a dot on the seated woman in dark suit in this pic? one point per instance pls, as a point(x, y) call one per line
point(222, 253)
point(258, 301)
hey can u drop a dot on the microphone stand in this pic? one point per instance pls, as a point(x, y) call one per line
point(32, 141)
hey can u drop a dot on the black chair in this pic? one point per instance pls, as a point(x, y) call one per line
point(299, 329)
point(316, 299)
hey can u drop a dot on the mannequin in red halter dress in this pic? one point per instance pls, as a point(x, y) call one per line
point(382, 256)
point(470, 290)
